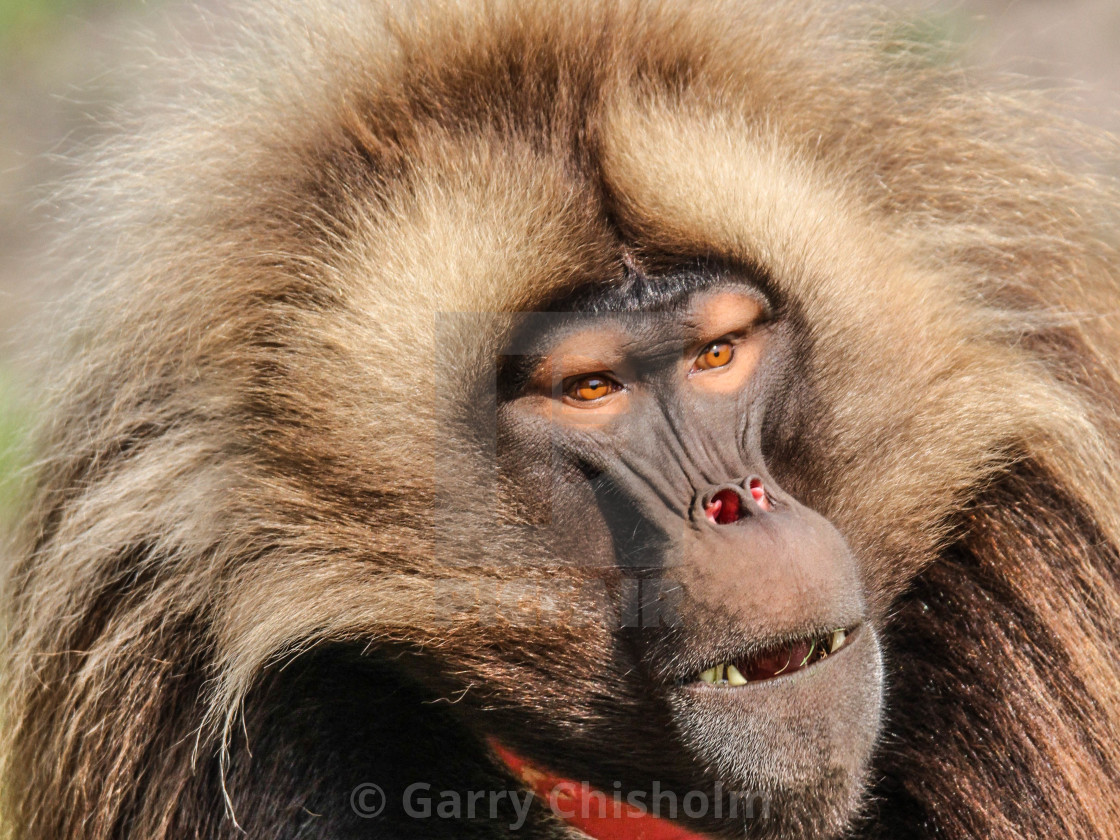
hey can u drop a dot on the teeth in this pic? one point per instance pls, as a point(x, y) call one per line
point(717, 674)
point(734, 677)
point(728, 674)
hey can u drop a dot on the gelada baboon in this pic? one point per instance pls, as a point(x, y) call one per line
point(699, 416)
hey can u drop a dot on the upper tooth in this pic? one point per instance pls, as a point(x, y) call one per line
point(837, 639)
point(734, 677)
point(708, 676)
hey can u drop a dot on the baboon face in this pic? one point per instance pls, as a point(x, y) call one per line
point(579, 391)
point(633, 437)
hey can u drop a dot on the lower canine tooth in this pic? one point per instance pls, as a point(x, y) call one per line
point(838, 637)
point(708, 676)
point(734, 677)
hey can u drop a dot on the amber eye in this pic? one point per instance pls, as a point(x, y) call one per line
point(715, 355)
point(588, 388)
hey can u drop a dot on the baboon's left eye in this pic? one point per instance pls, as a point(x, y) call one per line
point(716, 355)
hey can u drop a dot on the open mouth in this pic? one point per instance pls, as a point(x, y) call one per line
point(777, 660)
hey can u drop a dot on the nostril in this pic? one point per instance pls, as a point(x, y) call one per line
point(758, 493)
point(724, 507)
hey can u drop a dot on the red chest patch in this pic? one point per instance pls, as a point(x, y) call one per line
point(599, 815)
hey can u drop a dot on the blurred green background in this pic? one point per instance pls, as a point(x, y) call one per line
point(23, 23)
point(54, 57)
point(57, 84)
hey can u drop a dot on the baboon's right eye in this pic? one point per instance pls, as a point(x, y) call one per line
point(589, 387)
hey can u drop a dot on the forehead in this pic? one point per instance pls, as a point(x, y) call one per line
point(687, 315)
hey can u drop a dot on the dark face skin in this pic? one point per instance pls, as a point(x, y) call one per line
point(739, 613)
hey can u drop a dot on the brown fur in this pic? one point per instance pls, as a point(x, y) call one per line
point(253, 403)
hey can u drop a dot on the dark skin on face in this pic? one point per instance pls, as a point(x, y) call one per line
point(639, 432)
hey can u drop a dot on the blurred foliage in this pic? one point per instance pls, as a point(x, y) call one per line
point(25, 24)
point(14, 425)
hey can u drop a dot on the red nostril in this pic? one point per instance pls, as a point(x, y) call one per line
point(759, 494)
point(723, 509)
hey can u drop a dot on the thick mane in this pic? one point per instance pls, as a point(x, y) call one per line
point(233, 459)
